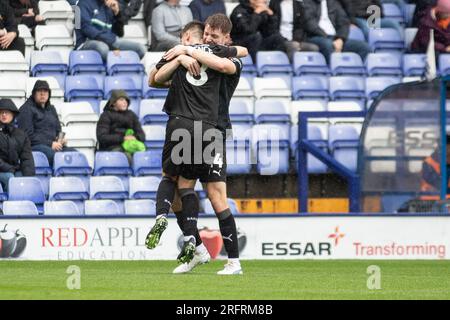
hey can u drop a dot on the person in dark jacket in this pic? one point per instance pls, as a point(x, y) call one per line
point(115, 120)
point(202, 9)
point(358, 14)
point(39, 119)
point(438, 21)
point(329, 28)
point(102, 27)
point(16, 158)
point(422, 7)
point(129, 9)
point(256, 27)
point(291, 16)
point(9, 33)
point(27, 13)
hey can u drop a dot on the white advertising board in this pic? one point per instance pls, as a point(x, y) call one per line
point(259, 238)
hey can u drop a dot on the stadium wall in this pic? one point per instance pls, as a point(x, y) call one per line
point(268, 237)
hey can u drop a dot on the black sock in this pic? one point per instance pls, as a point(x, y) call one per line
point(198, 239)
point(164, 196)
point(229, 233)
point(190, 211)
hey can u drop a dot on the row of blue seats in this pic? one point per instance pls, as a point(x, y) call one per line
point(346, 63)
point(106, 163)
point(270, 147)
point(95, 208)
point(268, 63)
point(73, 208)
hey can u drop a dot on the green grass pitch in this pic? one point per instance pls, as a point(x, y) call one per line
point(275, 279)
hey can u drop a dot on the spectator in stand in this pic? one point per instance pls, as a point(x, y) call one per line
point(39, 120)
point(27, 13)
point(101, 27)
point(129, 9)
point(16, 158)
point(437, 19)
point(422, 7)
point(291, 16)
point(256, 27)
point(357, 12)
point(202, 9)
point(328, 26)
point(9, 34)
point(114, 122)
point(168, 19)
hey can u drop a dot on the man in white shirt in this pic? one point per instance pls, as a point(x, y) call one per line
point(168, 19)
point(327, 25)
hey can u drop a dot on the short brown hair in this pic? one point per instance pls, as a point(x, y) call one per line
point(219, 21)
point(196, 27)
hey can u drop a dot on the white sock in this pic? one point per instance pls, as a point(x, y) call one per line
point(200, 249)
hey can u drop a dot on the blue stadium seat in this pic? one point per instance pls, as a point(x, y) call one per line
point(27, 188)
point(347, 88)
point(414, 65)
point(272, 63)
point(41, 164)
point(71, 164)
point(444, 64)
point(386, 39)
point(122, 83)
point(102, 207)
point(107, 187)
point(271, 111)
point(144, 187)
point(384, 64)
point(393, 12)
point(238, 150)
point(375, 85)
point(151, 92)
point(83, 88)
point(307, 63)
point(111, 163)
point(241, 112)
point(20, 208)
point(155, 136)
point(310, 88)
point(315, 136)
point(124, 62)
point(271, 148)
point(150, 112)
point(343, 143)
point(67, 188)
point(61, 208)
point(43, 169)
point(347, 63)
point(85, 62)
point(147, 162)
point(248, 67)
point(140, 207)
point(44, 63)
point(356, 33)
